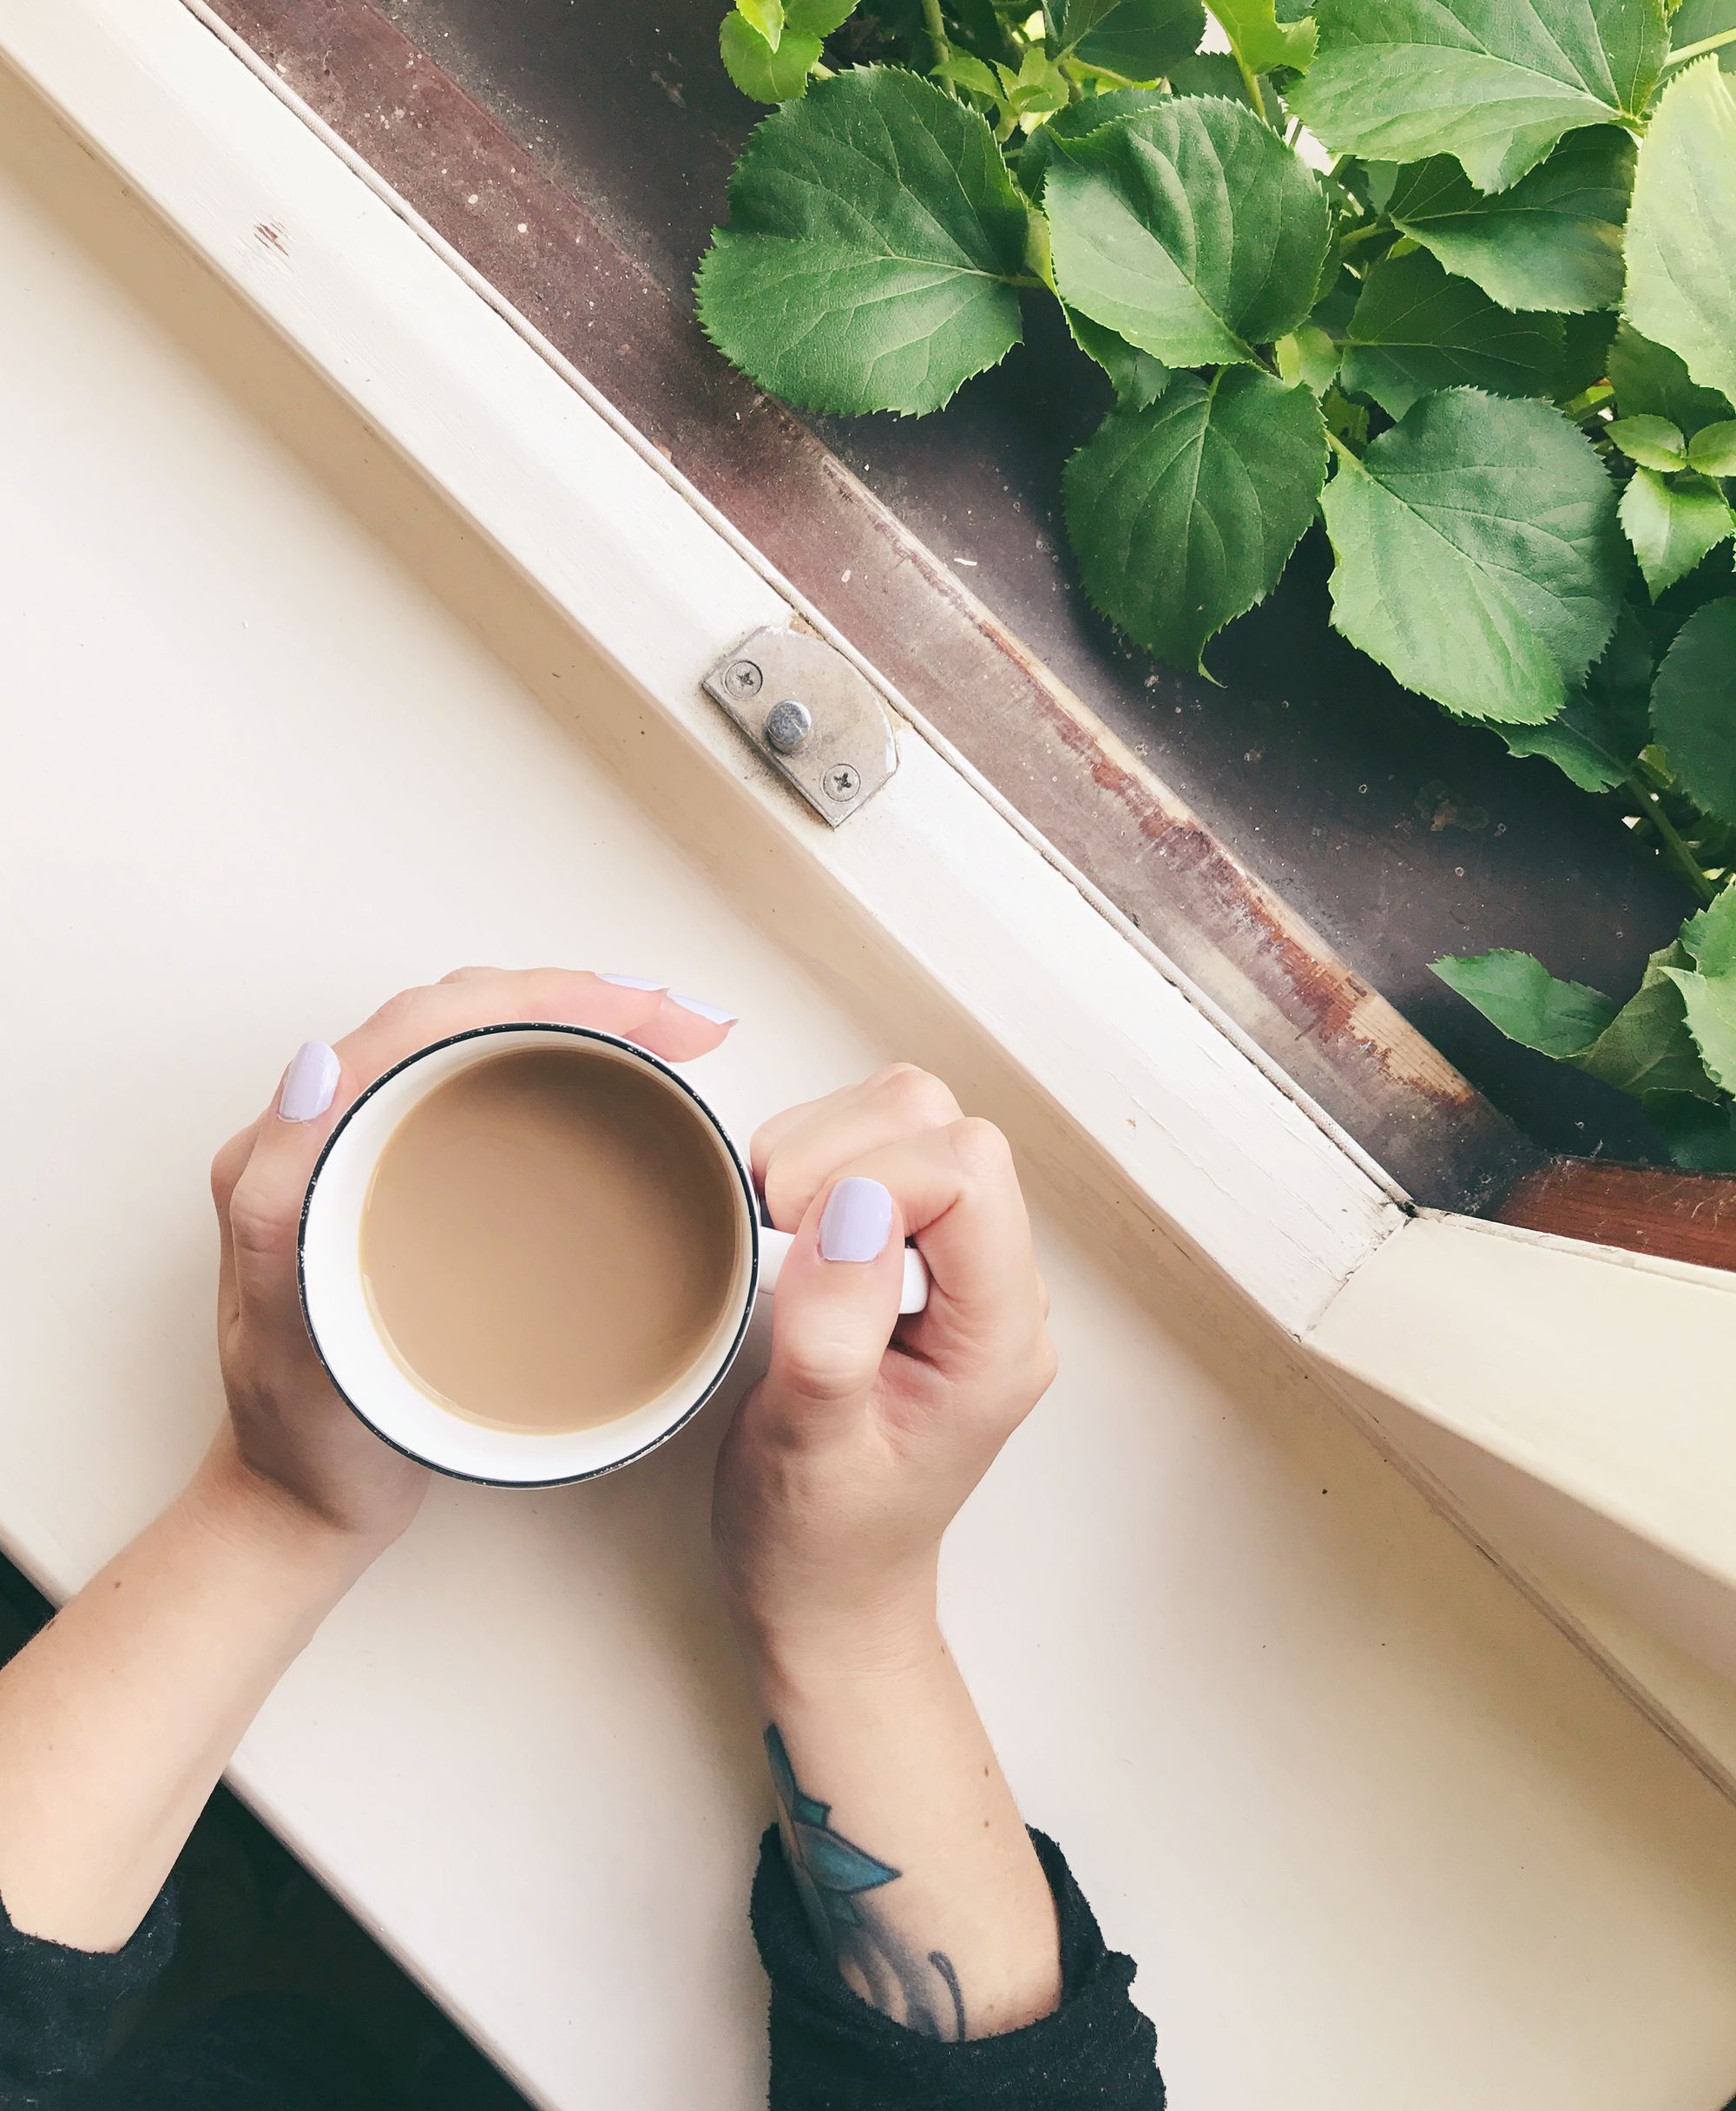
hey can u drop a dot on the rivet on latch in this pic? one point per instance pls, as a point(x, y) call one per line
point(842, 783)
point(789, 726)
point(742, 678)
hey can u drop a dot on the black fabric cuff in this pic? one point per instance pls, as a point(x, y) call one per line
point(830, 2051)
point(57, 2003)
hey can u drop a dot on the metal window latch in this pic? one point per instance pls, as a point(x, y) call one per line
point(814, 717)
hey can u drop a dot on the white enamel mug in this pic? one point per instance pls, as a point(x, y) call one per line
point(346, 1333)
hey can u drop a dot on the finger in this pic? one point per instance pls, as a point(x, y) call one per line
point(678, 1027)
point(899, 1085)
point(800, 1152)
point(838, 1297)
point(957, 1194)
point(265, 1201)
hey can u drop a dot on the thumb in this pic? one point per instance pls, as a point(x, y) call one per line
point(837, 1299)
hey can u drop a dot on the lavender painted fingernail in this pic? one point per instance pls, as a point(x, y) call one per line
point(857, 1220)
point(309, 1083)
point(701, 1010)
point(631, 982)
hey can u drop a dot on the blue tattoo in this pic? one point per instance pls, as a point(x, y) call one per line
point(835, 1880)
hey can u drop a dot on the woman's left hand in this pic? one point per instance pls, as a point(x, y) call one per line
point(291, 1434)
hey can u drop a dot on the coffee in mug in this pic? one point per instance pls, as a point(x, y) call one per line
point(544, 1248)
point(527, 1253)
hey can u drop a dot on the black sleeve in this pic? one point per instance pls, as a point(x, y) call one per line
point(832, 2052)
point(56, 2004)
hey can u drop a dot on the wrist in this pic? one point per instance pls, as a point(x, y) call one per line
point(892, 1638)
point(252, 1516)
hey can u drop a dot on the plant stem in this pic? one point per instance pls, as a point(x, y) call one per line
point(936, 31)
point(1250, 82)
point(1677, 854)
point(1700, 50)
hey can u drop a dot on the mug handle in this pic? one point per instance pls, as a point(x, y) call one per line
point(773, 1245)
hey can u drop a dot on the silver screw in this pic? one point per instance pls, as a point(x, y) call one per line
point(742, 678)
point(843, 782)
point(789, 726)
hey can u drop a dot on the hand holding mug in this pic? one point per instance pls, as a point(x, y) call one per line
point(291, 1432)
point(846, 1465)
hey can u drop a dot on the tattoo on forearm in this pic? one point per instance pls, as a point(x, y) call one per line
point(837, 1882)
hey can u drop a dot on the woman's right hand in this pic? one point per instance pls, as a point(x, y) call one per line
point(846, 1465)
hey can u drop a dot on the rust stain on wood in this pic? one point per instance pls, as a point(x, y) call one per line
point(1678, 1216)
point(1126, 830)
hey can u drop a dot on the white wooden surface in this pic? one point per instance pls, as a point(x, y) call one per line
point(1657, 1625)
point(1601, 1381)
point(277, 740)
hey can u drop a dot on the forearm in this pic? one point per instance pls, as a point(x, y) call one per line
point(116, 1720)
point(907, 1846)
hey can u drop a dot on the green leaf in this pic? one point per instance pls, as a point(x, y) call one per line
point(1477, 555)
point(1190, 229)
point(1681, 233)
point(1695, 20)
point(1647, 1046)
point(1345, 420)
point(765, 16)
point(1652, 442)
point(1137, 39)
point(1038, 87)
point(1693, 707)
point(874, 236)
point(1651, 382)
point(1551, 242)
point(1709, 986)
point(1495, 82)
point(1518, 994)
point(1710, 938)
point(1594, 737)
point(1262, 42)
point(1138, 379)
point(1307, 355)
point(817, 17)
point(959, 69)
point(1710, 1005)
point(1585, 359)
point(1713, 449)
point(1216, 73)
point(1672, 526)
point(757, 70)
point(1576, 741)
point(1370, 183)
point(1415, 329)
point(1090, 114)
point(1183, 516)
point(1644, 1047)
point(1701, 1137)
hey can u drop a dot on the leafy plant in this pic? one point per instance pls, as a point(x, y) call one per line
point(1457, 275)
